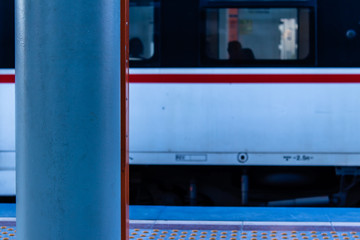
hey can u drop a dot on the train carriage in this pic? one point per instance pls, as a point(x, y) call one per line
point(250, 95)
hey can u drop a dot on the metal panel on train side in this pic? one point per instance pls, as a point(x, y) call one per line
point(7, 139)
point(7, 117)
point(252, 124)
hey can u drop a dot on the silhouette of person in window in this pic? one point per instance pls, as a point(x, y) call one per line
point(237, 52)
point(136, 49)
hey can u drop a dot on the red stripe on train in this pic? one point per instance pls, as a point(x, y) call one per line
point(8, 78)
point(231, 78)
point(244, 78)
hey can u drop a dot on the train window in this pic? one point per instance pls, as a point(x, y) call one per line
point(7, 34)
point(142, 29)
point(253, 34)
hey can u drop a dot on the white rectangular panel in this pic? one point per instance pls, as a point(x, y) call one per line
point(269, 121)
point(7, 117)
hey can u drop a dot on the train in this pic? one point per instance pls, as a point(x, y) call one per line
point(232, 102)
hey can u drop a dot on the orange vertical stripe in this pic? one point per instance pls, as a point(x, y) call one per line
point(233, 24)
point(124, 111)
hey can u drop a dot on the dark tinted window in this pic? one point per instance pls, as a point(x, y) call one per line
point(7, 34)
point(257, 33)
point(142, 30)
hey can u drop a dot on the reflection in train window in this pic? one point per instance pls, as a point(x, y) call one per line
point(257, 33)
point(141, 31)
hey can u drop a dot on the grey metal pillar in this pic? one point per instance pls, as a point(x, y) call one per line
point(68, 119)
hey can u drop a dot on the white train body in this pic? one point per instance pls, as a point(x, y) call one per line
point(278, 124)
point(242, 123)
point(7, 136)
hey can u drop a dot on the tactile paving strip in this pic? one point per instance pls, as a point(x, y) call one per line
point(7, 233)
point(159, 234)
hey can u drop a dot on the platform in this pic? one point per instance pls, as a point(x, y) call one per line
point(227, 223)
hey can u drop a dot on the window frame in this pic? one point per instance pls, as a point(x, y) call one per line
point(309, 61)
point(154, 60)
